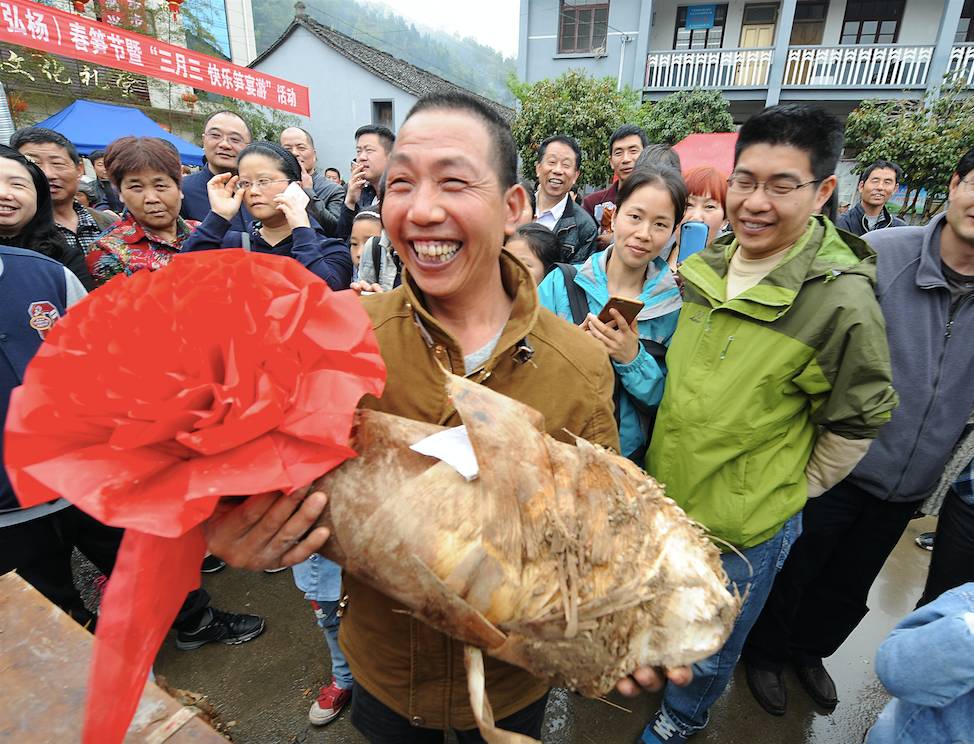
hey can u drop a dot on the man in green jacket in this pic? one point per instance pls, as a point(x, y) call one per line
point(779, 374)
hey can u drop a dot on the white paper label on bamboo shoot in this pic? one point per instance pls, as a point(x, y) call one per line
point(453, 447)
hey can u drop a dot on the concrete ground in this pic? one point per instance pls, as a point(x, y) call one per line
point(265, 687)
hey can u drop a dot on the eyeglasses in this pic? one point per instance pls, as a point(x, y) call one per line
point(740, 184)
point(260, 184)
point(215, 135)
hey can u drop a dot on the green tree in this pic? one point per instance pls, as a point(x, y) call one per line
point(925, 138)
point(677, 115)
point(585, 108)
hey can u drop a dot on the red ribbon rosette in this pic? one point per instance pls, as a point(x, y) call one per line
point(227, 373)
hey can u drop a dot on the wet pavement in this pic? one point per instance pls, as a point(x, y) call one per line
point(266, 686)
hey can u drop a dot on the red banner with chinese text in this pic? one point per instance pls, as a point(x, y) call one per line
point(47, 29)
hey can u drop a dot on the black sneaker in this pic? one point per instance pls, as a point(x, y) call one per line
point(223, 627)
point(925, 540)
point(212, 564)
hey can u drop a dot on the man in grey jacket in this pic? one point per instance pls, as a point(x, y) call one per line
point(326, 195)
point(925, 285)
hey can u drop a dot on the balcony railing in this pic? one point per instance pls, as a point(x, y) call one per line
point(875, 66)
point(718, 68)
point(883, 66)
point(962, 63)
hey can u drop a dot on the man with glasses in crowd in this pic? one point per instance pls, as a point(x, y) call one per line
point(225, 134)
point(925, 285)
point(779, 374)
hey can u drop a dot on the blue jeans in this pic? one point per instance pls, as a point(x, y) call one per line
point(688, 707)
point(321, 582)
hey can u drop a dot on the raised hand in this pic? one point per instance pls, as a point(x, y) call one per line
point(293, 202)
point(224, 197)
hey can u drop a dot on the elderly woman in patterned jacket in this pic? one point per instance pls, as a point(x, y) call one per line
point(147, 173)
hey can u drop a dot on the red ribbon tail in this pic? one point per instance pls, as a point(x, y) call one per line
point(150, 582)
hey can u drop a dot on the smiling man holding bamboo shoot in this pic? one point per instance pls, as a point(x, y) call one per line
point(469, 308)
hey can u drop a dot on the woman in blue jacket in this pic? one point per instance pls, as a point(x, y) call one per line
point(268, 181)
point(649, 205)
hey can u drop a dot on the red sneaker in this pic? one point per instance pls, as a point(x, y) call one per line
point(329, 704)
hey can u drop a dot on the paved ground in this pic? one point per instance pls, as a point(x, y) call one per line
point(267, 685)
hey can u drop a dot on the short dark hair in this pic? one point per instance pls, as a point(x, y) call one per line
point(542, 242)
point(96, 155)
point(661, 176)
point(311, 140)
point(966, 164)
point(334, 169)
point(628, 130)
point(879, 165)
point(811, 129)
point(386, 138)
point(44, 136)
point(285, 160)
point(565, 140)
point(502, 142)
point(659, 155)
point(231, 113)
point(129, 154)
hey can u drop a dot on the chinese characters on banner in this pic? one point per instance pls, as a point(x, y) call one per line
point(40, 27)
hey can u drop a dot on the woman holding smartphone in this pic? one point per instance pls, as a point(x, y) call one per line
point(648, 207)
point(706, 203)
point(268, 181)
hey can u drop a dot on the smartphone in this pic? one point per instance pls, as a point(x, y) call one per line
point(693, 238)
point(295, 191)
point(629, 309)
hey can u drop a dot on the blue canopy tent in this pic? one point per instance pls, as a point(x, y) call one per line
point(92, 126)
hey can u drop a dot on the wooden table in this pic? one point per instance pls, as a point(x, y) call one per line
point(44, 657)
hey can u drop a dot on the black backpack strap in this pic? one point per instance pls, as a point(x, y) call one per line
point(577, 300)
point(377, 257)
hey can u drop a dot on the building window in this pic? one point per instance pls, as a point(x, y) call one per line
point(965, 29)
point(872, 21)
point(583, 25)
point(812, 12)
point(700, 26)
point(382, 114)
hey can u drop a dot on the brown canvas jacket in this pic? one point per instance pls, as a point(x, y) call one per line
point(540, 360)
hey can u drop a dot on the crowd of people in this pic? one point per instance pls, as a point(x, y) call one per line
point(799, 381)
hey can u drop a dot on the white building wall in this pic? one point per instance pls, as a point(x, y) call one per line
point(341, 94)
point(921, 21)
point(240, 24)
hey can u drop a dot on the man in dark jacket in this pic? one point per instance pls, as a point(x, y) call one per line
point(225, 134)
point(106, 196)
point(876, 185)
point(373, 144)
point(925, 286)
point(557, 169)
point(326, 195)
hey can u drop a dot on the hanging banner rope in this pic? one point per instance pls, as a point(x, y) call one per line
point(39, 27)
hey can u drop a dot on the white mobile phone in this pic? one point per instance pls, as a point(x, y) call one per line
point(295, 191)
